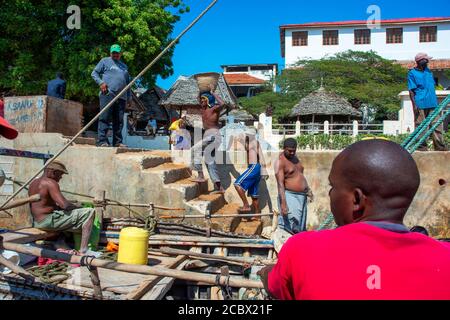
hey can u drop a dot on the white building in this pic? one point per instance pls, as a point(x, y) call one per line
point(247, 79)
point(395, 39)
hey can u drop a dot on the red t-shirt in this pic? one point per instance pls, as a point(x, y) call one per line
point(361, 261)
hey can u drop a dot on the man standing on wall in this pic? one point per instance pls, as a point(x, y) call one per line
point(421, 86)
point(111, 74)
point(57, 87)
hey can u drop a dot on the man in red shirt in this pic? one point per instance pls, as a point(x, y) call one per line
point(371, 255)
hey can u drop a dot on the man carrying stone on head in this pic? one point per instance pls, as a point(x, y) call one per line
point(211, 105)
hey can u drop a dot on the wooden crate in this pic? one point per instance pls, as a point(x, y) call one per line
point(44, 114)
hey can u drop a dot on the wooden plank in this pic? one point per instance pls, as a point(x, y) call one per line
point(119, 282)
point(64, 116)
point(26, 235)
point(146, 285)
point(158, 291)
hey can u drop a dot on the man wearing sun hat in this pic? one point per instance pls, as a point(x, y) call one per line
point(54, 212)
point(421, 86)
point(111, 74)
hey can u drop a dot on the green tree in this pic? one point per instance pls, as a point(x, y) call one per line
point(35, 41)
point(361, 77)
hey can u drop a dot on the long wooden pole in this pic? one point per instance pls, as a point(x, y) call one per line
point(125, 89)
point(240, 260)
point(22, 201)
point(156, 271)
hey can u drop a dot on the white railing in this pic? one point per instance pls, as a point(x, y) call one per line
point(353, 128)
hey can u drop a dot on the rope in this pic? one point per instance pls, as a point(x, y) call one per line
point(150, 224)
point(47, 272)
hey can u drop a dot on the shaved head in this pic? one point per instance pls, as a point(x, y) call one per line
point(375, 180)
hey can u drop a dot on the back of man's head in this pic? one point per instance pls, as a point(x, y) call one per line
point(374, 180)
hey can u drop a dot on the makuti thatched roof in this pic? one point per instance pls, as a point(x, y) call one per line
point(184, 94)
point(323, 102)
point(240, 115)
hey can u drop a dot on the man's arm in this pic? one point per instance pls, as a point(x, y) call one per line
point(219, 102)
point(412, 86)
point(279, 174)
point(58, 198)
point(262, 161)
point(97, 73)
point(264, 275)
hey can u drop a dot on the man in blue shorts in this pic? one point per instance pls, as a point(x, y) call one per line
point(248, 181)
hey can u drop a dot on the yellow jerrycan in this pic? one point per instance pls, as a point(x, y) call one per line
point(133, 246)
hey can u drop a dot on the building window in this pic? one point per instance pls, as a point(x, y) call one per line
point(300, 38)
point(394, 35)
point(428, 34)
point(330, 37)
point(362, 36)
point(236, 69)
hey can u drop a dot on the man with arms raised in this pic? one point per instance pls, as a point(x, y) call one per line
point(293, 189)
point(371, 255)
point(53, 212)
point(211, 105)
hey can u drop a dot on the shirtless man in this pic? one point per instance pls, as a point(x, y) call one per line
point(292, 189)
point(211, 105)
point(249, 180)
point(53, 212)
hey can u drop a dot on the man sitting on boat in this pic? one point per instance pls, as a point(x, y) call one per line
point(54, 212)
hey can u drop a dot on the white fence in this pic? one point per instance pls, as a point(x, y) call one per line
point(354, 128)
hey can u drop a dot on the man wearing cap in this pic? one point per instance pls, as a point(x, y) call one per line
point(421, 86)
point(111, 74)
point(54, 212)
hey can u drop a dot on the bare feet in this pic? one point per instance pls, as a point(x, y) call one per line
point(198, 180)
point(220, 191)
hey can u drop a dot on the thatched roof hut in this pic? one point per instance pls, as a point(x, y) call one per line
point(324, 105)
point(184, 94)
point(239, 115)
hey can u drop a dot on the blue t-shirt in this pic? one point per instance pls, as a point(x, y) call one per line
point(422, 83)
point(152, 123)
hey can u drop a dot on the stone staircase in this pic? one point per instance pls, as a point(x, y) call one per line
point(176, 190)
point(174, 179)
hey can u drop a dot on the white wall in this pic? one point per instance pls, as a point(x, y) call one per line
point(403, 51)
point(405, 122)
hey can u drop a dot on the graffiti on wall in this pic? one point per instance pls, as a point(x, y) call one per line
point(26, 113)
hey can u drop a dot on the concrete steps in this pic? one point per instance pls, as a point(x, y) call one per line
point(188, 189)
point(236, 224)
point(148, 159)
point(170, 172)
point(205, 202)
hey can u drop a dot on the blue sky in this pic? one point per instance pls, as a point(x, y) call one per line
point(247, 31)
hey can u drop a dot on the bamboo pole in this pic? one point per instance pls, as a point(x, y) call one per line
point(22, 201)
point(16, 269)
point(156, 271)
point(240, 260)
point(218, 216)
point(124, 90)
